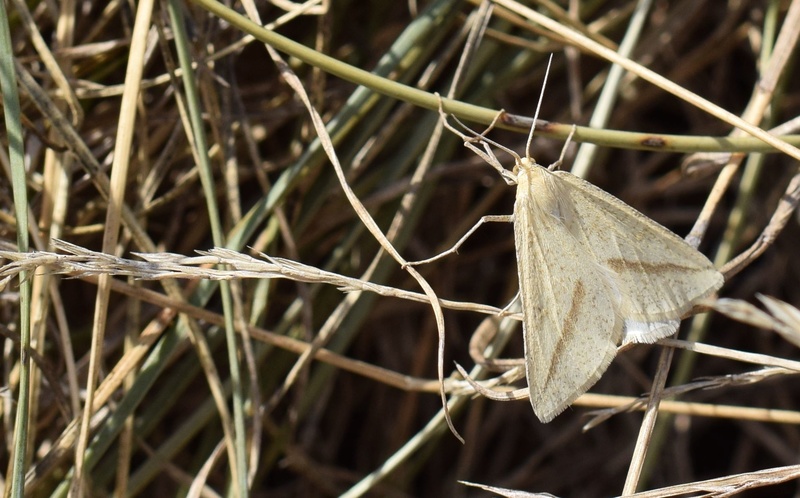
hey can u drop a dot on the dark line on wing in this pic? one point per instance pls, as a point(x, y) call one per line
point(619, 265)
point(568, 328)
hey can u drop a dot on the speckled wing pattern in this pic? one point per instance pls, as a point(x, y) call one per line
point(594, 273)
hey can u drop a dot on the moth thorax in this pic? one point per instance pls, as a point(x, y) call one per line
point(524, 164)
point(543, 192)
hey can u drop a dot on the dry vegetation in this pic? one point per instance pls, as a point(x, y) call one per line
point(303, 359)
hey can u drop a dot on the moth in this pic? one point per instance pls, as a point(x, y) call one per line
point(594, 274)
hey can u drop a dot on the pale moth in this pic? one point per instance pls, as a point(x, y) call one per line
point(594, 273)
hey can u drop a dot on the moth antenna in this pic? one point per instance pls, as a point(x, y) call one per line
point(538, 106)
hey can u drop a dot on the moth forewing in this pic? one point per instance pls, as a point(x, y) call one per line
point(594, 273)
point(571, 324)
point(660, 276)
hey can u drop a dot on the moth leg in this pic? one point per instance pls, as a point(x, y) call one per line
point(454, 249)
point(557, 165)
point(469, 141)
point(507, 309)
point(481, 137)
point(487, 155)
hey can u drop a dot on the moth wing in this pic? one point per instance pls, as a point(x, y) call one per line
point(659, 275)
point(647, 332)
point(571, 321)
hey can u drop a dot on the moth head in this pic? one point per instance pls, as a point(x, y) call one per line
point(525, 164)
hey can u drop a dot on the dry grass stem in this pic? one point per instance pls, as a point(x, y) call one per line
point(223, 200)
